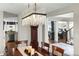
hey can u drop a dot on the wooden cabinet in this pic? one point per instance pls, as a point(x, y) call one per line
point(34, 37)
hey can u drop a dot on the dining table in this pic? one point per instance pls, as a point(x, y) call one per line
point(21, 49)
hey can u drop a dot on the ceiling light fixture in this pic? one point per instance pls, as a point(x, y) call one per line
point(34, 18)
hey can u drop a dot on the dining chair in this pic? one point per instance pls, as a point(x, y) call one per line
point(57, 51)
point(45, 46)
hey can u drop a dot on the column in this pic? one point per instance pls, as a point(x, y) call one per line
point(56, 31)
point(2, 35)
point(46, 31)
point(68, 33)
point(43, 31)
point(40, 35)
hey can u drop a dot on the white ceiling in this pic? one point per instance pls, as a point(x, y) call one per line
point(68, 15)
point(18, 8)
point(15, 8)
point(48, 7)
point(63, 17)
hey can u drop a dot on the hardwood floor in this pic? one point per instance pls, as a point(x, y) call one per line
point(13, 45)
point(16, 53)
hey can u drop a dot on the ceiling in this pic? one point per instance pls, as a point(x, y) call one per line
point(15, 8)
point(18, 8)
point(63, 17)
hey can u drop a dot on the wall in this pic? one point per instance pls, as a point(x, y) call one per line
point(76, 31)
point(14, 27)
point(2, 41)
point(24, 32)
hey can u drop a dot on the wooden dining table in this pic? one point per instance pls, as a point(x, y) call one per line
point(19, 50)
point(22, 51)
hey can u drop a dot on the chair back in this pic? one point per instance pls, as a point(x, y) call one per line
point(45, 46)
point(57, 51)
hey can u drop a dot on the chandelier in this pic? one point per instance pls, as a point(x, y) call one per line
point(34, 18)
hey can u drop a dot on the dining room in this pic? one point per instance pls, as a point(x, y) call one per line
point(37, 31)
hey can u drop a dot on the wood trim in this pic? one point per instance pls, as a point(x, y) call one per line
point(34, 13)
